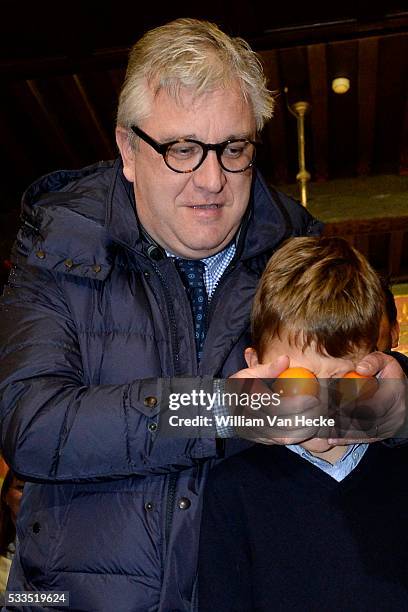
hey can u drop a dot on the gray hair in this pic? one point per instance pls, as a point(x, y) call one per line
point(195, 54)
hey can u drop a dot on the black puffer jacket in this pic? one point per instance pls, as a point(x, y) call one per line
point(89, 322)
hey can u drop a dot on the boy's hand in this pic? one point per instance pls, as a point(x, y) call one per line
point(255, 383)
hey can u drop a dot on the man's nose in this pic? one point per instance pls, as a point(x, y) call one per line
point(210, 176)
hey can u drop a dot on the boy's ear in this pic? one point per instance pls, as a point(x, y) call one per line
point(395, 334)
point(251, 357)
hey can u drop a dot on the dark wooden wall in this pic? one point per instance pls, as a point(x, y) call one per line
point(58, 103)
point(62, 115)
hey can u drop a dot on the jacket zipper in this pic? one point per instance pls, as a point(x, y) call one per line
point(173, 478)
point(170, 506)
point(173, 326)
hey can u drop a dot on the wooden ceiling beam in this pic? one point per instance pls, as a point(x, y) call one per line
point(93, 115)
point(337, 30)
point(367, 95)
point(318, 80)
point(51, 120)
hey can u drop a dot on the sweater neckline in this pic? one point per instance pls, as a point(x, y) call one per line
point(295, 467)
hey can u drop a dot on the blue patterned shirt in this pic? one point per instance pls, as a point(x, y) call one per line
point(215, 267)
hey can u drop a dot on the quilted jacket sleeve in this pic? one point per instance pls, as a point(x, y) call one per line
point(55, 428)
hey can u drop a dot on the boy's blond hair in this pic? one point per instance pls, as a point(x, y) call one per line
point(319, 290)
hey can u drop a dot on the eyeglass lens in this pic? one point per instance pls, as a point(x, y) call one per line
point(186, 156)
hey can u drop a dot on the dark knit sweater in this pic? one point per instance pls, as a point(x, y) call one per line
point(280, 534)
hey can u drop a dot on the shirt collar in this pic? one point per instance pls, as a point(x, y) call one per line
point(212, 262)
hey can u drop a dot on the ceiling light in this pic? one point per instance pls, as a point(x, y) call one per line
point(341, 85)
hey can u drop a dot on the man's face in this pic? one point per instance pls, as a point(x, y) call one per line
point(193, 215)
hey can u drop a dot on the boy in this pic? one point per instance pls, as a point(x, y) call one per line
point(388, 337)
point(310, 526)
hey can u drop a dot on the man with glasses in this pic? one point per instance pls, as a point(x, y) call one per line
point(128, 278)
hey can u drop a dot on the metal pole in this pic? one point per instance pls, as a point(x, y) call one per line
point(299, 109)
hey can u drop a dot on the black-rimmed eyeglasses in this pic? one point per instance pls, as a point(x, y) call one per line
point(186, 155)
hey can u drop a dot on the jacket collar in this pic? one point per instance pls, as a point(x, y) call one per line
point(265, 225)
point(81, 216)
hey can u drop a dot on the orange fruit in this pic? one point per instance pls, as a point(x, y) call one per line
point(361, 388)
point(296, 381)
point(353, 374)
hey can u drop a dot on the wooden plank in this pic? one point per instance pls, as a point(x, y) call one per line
point(380, 225)
point(104, 98)
point(343, 110)
point(293, 68)
point(55, 64)
point(93, 116)
point(362, 244)
point(75, 119)
point(26, 38)
point(275, 132)
point(391, 103)
point(294, 72)
point(403, 167)
point(116, 78)
point(318, 80)
point(13, 155)
point(367, 95)
point(395, 253)
point(51, 120)
point(32, 131)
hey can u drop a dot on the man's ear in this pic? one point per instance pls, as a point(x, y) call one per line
point(251, 357)
point(395, 334)
point(126, 152)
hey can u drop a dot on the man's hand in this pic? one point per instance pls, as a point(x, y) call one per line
point(253, 382)
point(264, 370)
point(382, 365)
point(381, 416)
